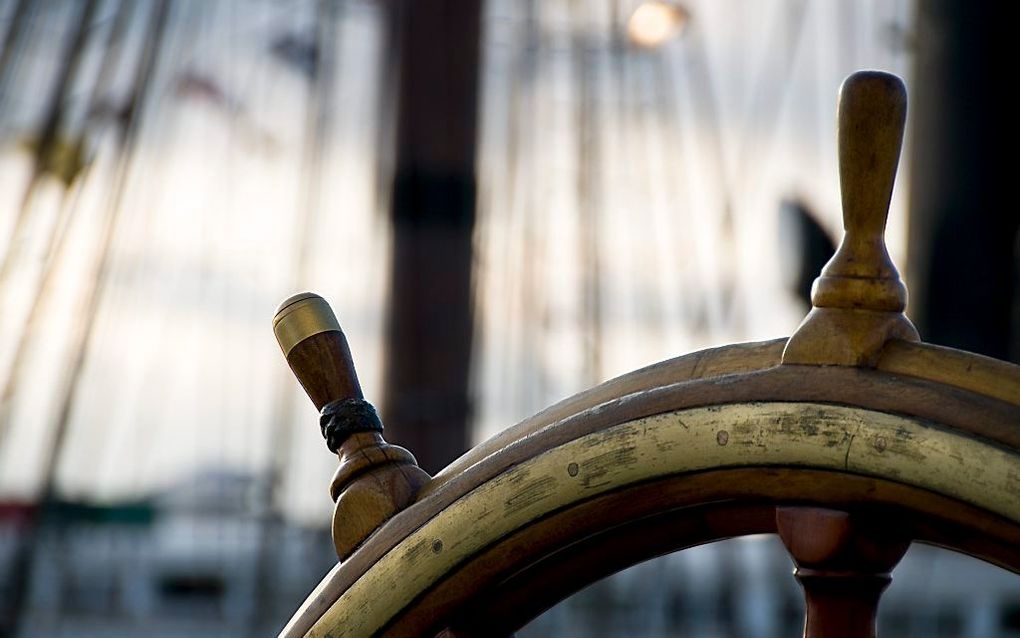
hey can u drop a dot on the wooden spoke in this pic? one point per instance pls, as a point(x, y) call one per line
point(375, 480)
point(844, 563)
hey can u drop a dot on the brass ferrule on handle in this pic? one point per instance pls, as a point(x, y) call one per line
point(316, 349)
point(301, 316)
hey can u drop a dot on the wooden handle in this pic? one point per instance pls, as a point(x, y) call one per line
point(858, 301)
point(375, 480)
point(872, 112)
point(316, 349)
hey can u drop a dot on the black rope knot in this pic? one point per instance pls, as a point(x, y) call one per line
point(340, 419)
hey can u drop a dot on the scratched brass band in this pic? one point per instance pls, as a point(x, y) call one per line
point(808, 435)
point(301, 316)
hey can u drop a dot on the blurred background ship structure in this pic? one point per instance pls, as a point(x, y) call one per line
point(559, 191)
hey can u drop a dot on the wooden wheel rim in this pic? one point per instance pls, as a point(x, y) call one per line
point(906, 449)
point(492, 594)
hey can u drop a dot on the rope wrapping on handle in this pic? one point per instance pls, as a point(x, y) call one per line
point(344, 417)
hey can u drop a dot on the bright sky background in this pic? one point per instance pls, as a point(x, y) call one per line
point(182, 372)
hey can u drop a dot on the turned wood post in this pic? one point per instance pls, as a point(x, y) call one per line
point(843, 563)
point(375, 480)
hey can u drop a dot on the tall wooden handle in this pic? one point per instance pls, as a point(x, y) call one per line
point(872, 112)
point(316, 349)
point(859, 299)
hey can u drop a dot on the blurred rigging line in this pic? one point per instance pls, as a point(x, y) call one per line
point(768, 94)
point(13, 38)
point(126, 148)
point(589, 195)
point(206, 288)
point(185, 25)
point(127, 143)
point(386, 98)
point(533, 327)
point(46, 143)
point(654, 181)
point(632, 117)
point(627, 75)
point(58, 238)
point(500, 248)
point(677, 202)
point(649, 85)
point(847, 49)
point(322, 82)
point(512, 238)
point(110, 62)
point(768, 98)
point(706, 110)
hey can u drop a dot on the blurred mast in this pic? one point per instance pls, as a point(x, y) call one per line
point(964, 215)
point(426, 405)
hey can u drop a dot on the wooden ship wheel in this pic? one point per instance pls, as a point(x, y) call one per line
point(850, 440)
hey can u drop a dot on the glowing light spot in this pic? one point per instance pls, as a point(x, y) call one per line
point(656, 21)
